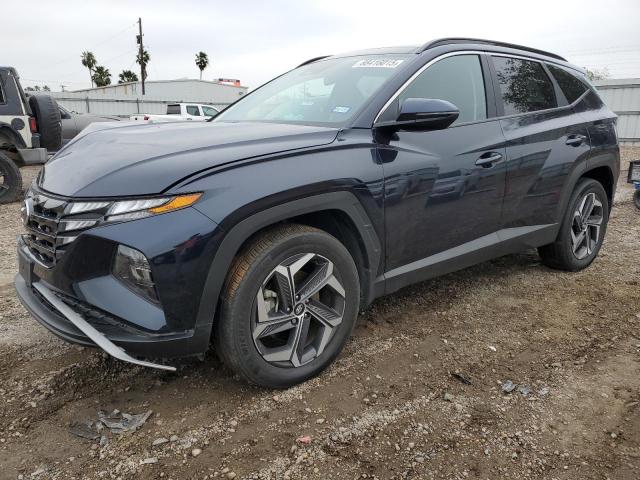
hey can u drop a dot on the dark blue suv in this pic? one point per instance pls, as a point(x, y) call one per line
point(264, 231)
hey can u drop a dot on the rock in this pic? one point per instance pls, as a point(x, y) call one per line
point(149, 461)
point(420, 459)
point(196, 451)
point(305, 440)
point(231, 475)
point(225, 470)
point(508, 386)
point(524, 390)
point(159, 441)
point(320, 421)
point(173, 438)
point(411, 445)
point(448, 397)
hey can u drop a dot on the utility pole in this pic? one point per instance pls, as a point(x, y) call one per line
point(141, 54)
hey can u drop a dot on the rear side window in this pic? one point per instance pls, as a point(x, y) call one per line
point(571, 86)
point(193, 110)
point(457, 79)
point(173, 109)
point(524, 85)
point(2, 99)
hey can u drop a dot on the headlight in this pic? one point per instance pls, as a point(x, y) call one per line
point(134, 209)
point(132, 268)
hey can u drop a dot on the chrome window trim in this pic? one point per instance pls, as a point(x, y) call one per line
point(404, 86)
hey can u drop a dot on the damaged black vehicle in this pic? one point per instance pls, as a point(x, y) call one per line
point(263, 232)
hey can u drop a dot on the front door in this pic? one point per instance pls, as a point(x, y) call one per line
point(443, 189)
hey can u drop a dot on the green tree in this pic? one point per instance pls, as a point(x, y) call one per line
point(202, 61)
point(127, 76)
point(46, 88)
point(89, 61)
point(596, 74)
point(143, 61)
point(102, 76)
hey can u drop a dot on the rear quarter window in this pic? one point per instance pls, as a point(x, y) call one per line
point(2, 98)
point(571, 85)
point(524, 85)
point(173, 109)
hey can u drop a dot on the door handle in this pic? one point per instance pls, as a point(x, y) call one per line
point(489, 159)
point(575, 140)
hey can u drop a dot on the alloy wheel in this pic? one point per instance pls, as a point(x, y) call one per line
point(298, 309)
point(585, 228)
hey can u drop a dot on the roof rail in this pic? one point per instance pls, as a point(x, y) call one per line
point(448, 41)
point(311, 60)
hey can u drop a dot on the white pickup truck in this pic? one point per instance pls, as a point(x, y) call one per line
point(179, 112)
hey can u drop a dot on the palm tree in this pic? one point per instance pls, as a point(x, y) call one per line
point(127, 76)
point(102, 77)
point(202, 61)
point(143, 62)
point(89, 61)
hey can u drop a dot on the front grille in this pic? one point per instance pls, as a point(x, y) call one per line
point(51, 228)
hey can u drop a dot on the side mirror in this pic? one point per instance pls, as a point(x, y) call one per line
point(423, 114)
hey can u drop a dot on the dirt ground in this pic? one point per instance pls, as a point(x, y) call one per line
point(416, 394)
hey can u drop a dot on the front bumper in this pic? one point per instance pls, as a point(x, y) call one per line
point(70, 325)
point(79, 300)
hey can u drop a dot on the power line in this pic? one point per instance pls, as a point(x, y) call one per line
point(92, 47)
point(600, 51)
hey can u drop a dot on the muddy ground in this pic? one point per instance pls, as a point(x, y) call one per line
point(390, 407)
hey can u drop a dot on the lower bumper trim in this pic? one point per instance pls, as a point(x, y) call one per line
point(98, 338)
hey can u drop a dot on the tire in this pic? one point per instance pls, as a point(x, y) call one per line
point(10, 180)
point(567, 253)
point(245, 343)
point(47, 114)
point(636, 198)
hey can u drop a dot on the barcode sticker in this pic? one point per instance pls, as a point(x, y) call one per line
point(377, 63)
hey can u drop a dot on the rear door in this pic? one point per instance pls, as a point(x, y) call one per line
point(12, 112)
point(546, 140)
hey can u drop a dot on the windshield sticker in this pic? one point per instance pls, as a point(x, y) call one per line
point(341, 109)
point(377, 63)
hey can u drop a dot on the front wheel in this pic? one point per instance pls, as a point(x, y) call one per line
point(582, 230)
point(289, 305)
point(636, 198)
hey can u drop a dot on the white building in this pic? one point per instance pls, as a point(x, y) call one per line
point(623, 97)
point(127, 99)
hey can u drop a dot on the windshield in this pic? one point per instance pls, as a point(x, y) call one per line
point(329, 92)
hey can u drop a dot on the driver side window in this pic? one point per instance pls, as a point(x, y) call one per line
point(457, 79)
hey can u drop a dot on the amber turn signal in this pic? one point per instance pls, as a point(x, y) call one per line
point(175, 203)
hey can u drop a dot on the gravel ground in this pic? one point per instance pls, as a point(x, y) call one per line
point(418, 392)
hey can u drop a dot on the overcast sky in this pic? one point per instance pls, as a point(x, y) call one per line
point(254, 40)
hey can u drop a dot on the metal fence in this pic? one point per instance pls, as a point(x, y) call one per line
point(623, 97)
point(120, 105)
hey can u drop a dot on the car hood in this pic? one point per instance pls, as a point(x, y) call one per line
point(116, 160)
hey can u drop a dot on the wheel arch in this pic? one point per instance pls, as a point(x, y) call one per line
point(337, 213)
point(604, 175)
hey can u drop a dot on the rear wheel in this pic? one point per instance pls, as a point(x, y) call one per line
point(582, 230)
point(289, 306)
point(10, 180)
